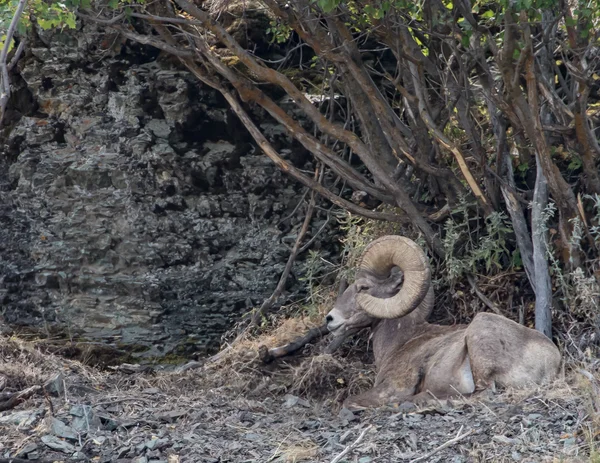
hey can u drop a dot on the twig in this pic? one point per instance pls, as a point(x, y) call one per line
point(50, 404)
point(315, 236)
point(443, 446)
point(482, 296)
point(17, 55)
point(352, 445)
point(266, 305)
point(268, 355)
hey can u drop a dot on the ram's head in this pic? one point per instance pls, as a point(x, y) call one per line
point(393, 280)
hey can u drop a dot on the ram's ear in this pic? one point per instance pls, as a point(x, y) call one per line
point(364, 284)
point(382, 287)
point(343, 286)
point(394, 282)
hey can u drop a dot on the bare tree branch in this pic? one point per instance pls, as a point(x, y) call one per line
point(4, 67)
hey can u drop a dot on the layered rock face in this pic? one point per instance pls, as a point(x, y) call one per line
point(134, 208)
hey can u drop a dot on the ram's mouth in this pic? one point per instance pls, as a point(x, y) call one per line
point(335, 329)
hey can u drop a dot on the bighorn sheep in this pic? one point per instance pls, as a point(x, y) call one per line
point(417, 361)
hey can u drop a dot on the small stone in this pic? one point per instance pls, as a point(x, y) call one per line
point(29, 448)
point(504, 440)
point(87, 420)
point(153, 455)
point(347, 415)
point(109, 423)
point(78, 410)
point(151, 390)
point(171, 416)
point(292, 401)
point(160, 128)
point(151, 444)
point(22, 419)
point(56, 444)
point(60, 429)
point(570, 442)
point(124, 451)
point(56, 385)
point(407, 406)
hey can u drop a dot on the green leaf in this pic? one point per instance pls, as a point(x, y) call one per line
point(70, 21)
point(575, 164)
point(3, 40)
point(489, 14)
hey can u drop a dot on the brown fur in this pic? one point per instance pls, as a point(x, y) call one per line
point(417, 361)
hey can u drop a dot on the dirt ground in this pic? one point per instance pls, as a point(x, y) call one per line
point(238, 410)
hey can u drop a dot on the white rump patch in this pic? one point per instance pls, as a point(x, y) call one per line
point(467, 383)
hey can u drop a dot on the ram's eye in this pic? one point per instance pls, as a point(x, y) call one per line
point(361, 288)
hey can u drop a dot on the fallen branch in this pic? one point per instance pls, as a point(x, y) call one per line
point(458, 438)
point(337, 342)
point(268, 355)
point(19, 397)
point(352, 445)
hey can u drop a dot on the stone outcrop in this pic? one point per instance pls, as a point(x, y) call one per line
point(135, 210)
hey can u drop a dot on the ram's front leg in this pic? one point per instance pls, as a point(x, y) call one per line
point(378, 397)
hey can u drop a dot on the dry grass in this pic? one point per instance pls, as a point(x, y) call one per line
point(323, 374)
point(305, 450)
point(239, 370)
point(24, 365)
point(239, 376)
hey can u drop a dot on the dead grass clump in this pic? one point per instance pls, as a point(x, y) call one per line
point(311, 374)
point(323, 375)
point(239, 368)
point(302, 451)
point(24, 365)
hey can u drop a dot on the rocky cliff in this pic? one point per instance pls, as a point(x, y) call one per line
point(135, 210)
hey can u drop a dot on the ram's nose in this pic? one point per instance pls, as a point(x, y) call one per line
point(328, 318)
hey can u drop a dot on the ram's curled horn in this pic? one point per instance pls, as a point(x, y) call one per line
point(379, 258)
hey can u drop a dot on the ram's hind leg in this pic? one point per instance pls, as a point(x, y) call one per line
point(509, 354)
